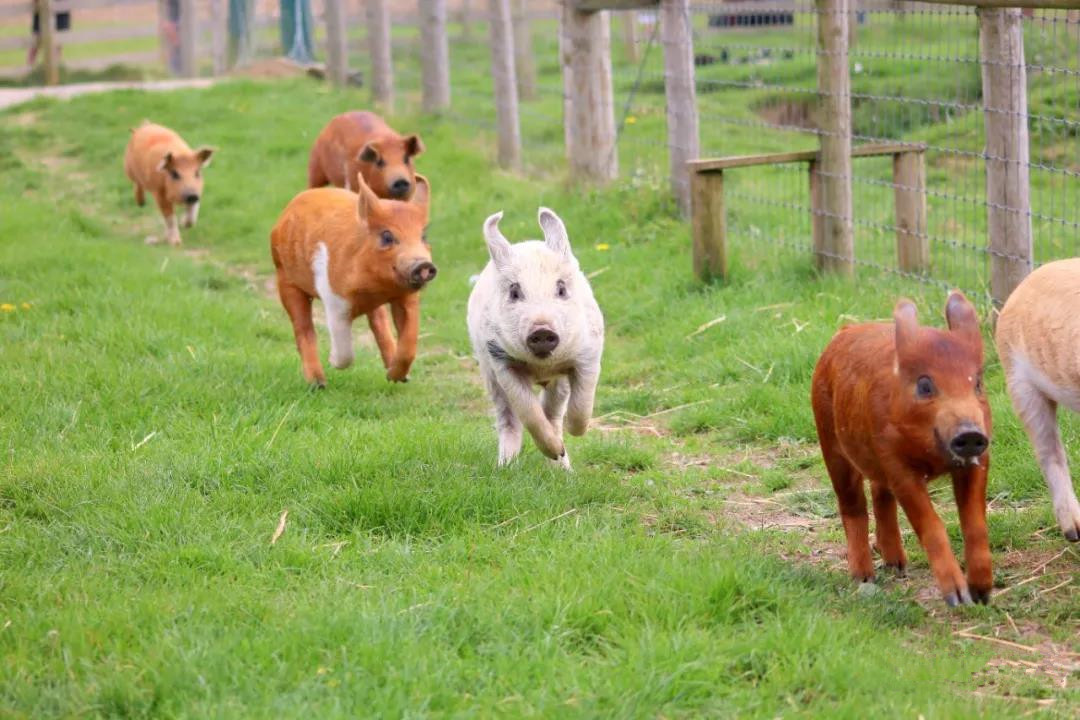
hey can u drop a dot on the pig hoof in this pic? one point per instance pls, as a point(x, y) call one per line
point(982, 597)
point(316, 385)
point(1072, 534)
point(898, 569)
point(961, 597)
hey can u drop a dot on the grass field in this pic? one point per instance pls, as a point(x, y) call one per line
point(154, 428)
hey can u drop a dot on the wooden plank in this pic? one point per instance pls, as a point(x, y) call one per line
point(434, 56)
point(524, 62)
point(189, 38)
point(817, 217)
point(590, 103)
point(909, 193)
point(504, 77)
point(50, 48)
point(709, 226)
point(682, 117)
point(834, 89)
point(630, 36)
point(859, 151)
point(78, 5)
point(107, 34)
point(1005, 110)
point(337, 48)
point(1037, 4)
point(382, 71)
point(597, 5)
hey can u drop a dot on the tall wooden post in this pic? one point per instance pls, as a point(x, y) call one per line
point(503, 75)
point(1005, 112)
point(709, 225)
point(49, 47)
point(337, 48)
point(630, 36)
point(524, 63)
point(434, 56)
point(189, 31)
point(909, 202)
point(217, 36)
point(590, 104)
point(682, 117)
point(837, 253)
point(382, 71)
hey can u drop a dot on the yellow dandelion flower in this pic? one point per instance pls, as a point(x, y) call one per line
point(603, 246)
point(7, 307)
point(630, 120)
point(26, 306)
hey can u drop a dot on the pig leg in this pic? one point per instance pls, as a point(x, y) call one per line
point(298, 304)
point(969, 486)
point(379, 321)
point(851, 498)
point(526, 406)
point(583, 381)
point(316, 177)
point(140, 196)
point(338, 311)
point(191, 215)
point(887, 528)
point(913, 497)
point(1039, 414)
point(506, 423)
point(172, 232)
point(554, 399)
point(406, 312)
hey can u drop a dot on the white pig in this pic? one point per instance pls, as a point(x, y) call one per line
point(533, 320)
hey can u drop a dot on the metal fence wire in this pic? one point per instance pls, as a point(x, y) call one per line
point(917, 79)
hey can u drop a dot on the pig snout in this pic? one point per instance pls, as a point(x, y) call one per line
point(421, 274)
point(542, 341)
point(400, 188)
point(190, 198)
point(968, 442)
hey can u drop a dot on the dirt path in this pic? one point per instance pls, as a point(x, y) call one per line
point(16, 96)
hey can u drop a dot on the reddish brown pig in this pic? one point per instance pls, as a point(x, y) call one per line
point(356, 253)
point(899, 404)
point(159, 162)
point(361, 142)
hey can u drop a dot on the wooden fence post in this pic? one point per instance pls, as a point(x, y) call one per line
point(524, 63)
point(49, 47)
point(909, 192)
point(382, 71)
point(503, 75)
point(817, 216)
point(590, 101)
point(434, 56)
point(837, 251)
point(682, 118)
point(1005, 112)
point(630, 36)
point(189, 36)
point(217, 36)
point(709, 225)
point(337, 46)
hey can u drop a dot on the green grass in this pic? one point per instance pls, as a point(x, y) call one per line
point(154, 426)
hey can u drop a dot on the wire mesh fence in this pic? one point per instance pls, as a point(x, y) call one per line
point(917, 80)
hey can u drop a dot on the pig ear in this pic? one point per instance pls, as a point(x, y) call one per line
point(368, 154)
point(166, 162)
point(413, 145)
point(422, 194)
point(907, 325)
point(554, 232)
point(368, 200)
point(204, 154)
point(498, 246)
point(962, 318)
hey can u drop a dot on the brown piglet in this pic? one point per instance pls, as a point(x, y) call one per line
point(362, 142)
point(159, 162)
point(899, 404)
point(356, 252)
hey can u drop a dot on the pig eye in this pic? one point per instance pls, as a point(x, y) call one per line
point(978, 385)
point(174, 175)
point(560, 290)
point(386, 239)
point(423, 237)
point(380, 163)
point(924, 387)
point(515, 292)
point(198, 173)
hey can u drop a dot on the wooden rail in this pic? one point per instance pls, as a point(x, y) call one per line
point(709, 221)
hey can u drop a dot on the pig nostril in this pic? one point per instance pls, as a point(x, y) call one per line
point(542, 342)
point(400, 187)
point(423, 273)
point(191, 199)
point(969, 444)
